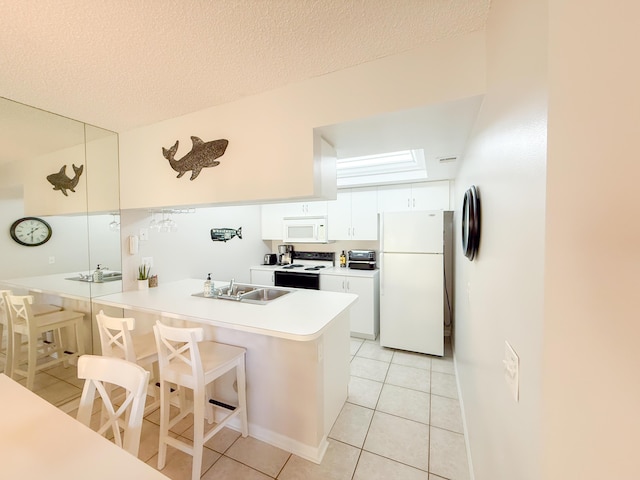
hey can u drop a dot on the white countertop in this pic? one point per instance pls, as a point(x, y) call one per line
point(300, 315)
point(324, 271)
point(41, 441)
point(57, 284)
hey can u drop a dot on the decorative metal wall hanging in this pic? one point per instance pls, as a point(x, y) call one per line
point(471, 223)
point(202, 155)
point(62, 182)
point(224, 234)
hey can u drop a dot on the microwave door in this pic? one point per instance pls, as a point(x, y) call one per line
point(300, 232)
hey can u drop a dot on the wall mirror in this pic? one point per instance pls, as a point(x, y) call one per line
point(83, 214)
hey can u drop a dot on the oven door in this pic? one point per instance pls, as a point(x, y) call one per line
point(309, 281)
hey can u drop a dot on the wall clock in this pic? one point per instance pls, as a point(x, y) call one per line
point(30, 231)
point(471, 223)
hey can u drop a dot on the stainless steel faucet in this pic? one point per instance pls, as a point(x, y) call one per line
point(230, 291)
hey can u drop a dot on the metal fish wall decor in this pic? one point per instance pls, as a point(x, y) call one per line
point(224, 234)
point(202, 155)
point(62, 182)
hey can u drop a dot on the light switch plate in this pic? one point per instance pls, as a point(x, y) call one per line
point(511, 369)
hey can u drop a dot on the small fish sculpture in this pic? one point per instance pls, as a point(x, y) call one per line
point(224, 234)
point(62, 182)
point(202, 155)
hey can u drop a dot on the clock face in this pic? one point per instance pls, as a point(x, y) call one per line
point(30, 231)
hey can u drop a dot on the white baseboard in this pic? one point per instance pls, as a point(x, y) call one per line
point(464, 417)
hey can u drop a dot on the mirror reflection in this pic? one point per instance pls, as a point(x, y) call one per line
point(64, 173)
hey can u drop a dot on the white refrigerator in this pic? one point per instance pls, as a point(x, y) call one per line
point(413, 298)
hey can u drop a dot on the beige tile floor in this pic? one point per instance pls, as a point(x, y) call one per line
point(402, 420)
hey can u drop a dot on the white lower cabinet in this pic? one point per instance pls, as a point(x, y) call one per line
point(261, 277)
point(365, 313)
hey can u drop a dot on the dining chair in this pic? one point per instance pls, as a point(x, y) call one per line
point(25, 324)
point(5, 348)
point(188, 361)
point(117, 341)
point(124, 419)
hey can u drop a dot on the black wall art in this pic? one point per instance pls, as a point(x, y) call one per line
point(202, 155)
point(471, 223)
point(62, 182)
point(224, 234)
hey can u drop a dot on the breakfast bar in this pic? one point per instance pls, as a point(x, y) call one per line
point(297, 353)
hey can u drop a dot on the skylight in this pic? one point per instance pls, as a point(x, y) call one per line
point(381, 168)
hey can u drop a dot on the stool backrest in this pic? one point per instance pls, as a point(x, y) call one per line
point(20, 315)
point(178, 354)
point(100, 373)
point(4, 312)
point(115, 336)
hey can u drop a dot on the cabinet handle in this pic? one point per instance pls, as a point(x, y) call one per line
point(342, 284)
point(348, 286)
point(408, 202)
point(414, 203)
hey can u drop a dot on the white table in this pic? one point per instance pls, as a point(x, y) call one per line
point(37, 440)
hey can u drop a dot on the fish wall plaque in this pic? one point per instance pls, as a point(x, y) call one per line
point(62, 182)
point(202, 155)
point(224, 234)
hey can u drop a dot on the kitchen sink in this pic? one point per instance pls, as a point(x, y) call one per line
point(242, 292)
point(263, 295)
point(106, 277)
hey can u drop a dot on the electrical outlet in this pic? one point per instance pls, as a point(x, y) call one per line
point(148, 261)
point(511, 369)
point(52, 260)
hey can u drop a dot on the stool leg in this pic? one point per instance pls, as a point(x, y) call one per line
point(199, 399)
point(164, 423)
point(242, 396)
point(32, 361)
point(16, 350)
point(59, 347)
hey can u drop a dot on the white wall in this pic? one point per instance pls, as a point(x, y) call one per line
point(270, 135)
point(190, 252)
point(499, 296)
point(592, 324)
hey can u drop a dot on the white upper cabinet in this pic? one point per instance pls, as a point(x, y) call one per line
point(414, 196)
point(306, 209)
point(354, 215)
point(272, 225)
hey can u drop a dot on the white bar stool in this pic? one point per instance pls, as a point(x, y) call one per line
point(25, 323)
point(36, 308)
point(100, 374)
point(189, 362)
point(116, 341)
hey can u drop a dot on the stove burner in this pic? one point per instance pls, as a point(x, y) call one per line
point(293, 265)
point(316, 267)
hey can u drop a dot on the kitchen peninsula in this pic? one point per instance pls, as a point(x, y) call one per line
point(297, 353)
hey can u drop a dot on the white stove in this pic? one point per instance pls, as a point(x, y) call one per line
point(304, 271)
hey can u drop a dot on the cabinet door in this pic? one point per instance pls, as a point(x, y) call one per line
point(262, 277)
point(271, 217)
point(306, 209)
point(332, 283)
point(394, 198)
point(339, 216)
point(362, 312)
point(430, 196)
point(364, 214)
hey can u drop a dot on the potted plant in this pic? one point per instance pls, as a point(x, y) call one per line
point(143, 276)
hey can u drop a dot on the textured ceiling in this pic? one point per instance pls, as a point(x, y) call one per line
point(119, 64)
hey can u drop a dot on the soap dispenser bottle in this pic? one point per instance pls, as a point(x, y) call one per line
point(343, 259)
point(208, 286)
point(98, 274)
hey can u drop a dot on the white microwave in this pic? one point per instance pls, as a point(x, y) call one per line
point(305, 230)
